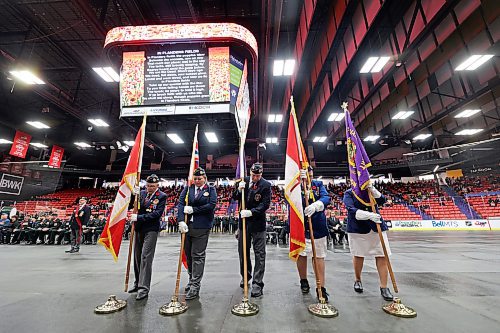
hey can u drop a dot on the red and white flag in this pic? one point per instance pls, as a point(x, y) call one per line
point(56, 156)
point(295, 159)
point(111, 237)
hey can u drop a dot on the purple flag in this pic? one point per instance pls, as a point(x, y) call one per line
point(358, 162)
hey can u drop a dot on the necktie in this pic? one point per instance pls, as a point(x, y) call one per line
point(197, 191)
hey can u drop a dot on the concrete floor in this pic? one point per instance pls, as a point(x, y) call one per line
point(450, 278)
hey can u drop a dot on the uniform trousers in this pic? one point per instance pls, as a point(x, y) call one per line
point(76, 236)
point(144, 252)
point(258, 241)
point(194, 248)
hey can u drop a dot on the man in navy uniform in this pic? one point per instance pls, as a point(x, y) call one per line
point(79, 218)
point(318, 200)
point(200, 211)
point(257, 201)
point(147, 227)
point(364, 240)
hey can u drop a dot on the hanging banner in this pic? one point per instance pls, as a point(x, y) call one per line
point(56, 156)
point(20, 144)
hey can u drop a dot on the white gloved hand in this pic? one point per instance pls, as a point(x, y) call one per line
point(375, 193)
point(188, 210)
point(133, 217)
point(237, 233)
point(316, 206)
point(303, 174)
point(363, 215)
point(241, 185)
point(136, 190)
point(245, 213)
point(183, 227)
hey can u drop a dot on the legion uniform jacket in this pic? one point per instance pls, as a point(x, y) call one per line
point(320, 227)
point(258, 200)
point(203, 206)
point(150, 211)
point(81, 217)
point(363, 226)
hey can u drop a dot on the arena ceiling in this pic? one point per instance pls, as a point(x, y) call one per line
point(425, 41)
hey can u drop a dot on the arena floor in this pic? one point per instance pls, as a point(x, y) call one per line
point(450, 278)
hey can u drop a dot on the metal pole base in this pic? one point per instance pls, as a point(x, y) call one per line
point(173, 308)
point(398, 309)
point(111, 305)
point(245, 308)
point(323, 309)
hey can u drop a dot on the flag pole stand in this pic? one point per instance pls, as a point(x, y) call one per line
point(396, 307)
point(245, 308)
point(111, 305)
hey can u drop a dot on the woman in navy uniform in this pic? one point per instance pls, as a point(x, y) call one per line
point(318, 200)
point(364, 240)
point(147, 227)
point(257, 201)
point(200, 211)
point(79, 218)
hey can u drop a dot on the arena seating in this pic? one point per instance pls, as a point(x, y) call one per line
point(486, 206)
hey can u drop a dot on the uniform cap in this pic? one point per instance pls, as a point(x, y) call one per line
point(152, 179)
point(199, 172)
point(257, 168)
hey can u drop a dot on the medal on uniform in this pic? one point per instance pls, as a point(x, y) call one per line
point(81, 214)
point(258, 197)
point(155, 201)
point(205, 194)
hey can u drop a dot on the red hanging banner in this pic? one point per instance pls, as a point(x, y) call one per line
point(56, 156)
point(20, 144)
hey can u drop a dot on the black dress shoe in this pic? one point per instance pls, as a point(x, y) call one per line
point(141, 296)
point(386, 294)
point(192, 294)
point(304, 286)
point(358, 287)
point(324, 294)
point(133, 290)
point(257, 293)
point(69, 251)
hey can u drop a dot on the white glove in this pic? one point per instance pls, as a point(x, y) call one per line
point(245, 213)
point(303, 174)
point(364, 215)
point(316, 206)
point(241, 185)
point(136, 190)
point(133, 217)
point(188, 210)
point(375, 193)
point(237, 233)
point(183, 227)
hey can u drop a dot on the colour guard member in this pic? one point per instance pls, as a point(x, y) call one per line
point(258, 198)
point(147, 227)
point(79, 218)
point(200, 211)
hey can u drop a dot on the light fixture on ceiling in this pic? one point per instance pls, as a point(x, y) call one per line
point(319, 139)
point(435, 168)
point(403, 114)
point(470, 131)
point(335, 116)
point(467, 113)
point(374, 64)
point(82, 144)
point(473, 62)
point(27, 77)
point(274, 118)
point(108, 74)
point(37, 124)
point(99, 122)
point(372, 138)
point(272, 140)
point(289, 67)
point(211, 137)
point(3, 141)
point(283, 67)
point(129, 143)
point(422, 137)
point(38, 145)
point(175, 138)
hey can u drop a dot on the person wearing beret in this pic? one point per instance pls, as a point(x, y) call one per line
point(364, 240)
point(257, 201)
point(79, 218)
point(152, 203)
point(200, 209)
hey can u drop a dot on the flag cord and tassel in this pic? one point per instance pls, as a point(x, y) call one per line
point(396, 308)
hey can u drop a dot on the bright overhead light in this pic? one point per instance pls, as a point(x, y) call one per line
point(467, 113)
point(275, 118)
point(83, 144)
point(319, 139)
point(175, 138)
point(335, 116)
point(37, 124)
point(99, 122)
point(107, 74)
point(5, 141)
point(473, 62)
point(374, 64)
point(38, 145)
point(27, 77)
point(403, 114)
point(211, 137)
point(289, 67)
point(129, 143)
point(435, 168)
point(278, 67)
point(470, 131)
point(372, 138)
point(272, 140)
point(422, 137)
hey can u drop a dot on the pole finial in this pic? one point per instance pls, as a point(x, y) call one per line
point(344, 106)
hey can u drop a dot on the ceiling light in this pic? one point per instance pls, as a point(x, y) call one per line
point(435, 168)
point(289, 67)
point(471, 131)
point(403, 114)
point(111, 72)
point(422, 137)
point(119, 144)
point(473, 62)
point(211, 137)
point(380, 64)
point(275, 118)
point(467, 113)
point(112, 147)
point(372, 138)
point(5, 141)
point(107, 74)
point(175, 138)
point(37, 124)
point(27, 77)
point(38, 145)
point(374, 64)
point(319, 139)
point(335, 116)
point(99, 122)
point(129, 143)
point(272, 140)
point(83, 144)
point(278, 67)
point(103, 147)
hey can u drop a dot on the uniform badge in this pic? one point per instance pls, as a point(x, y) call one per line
point(258, 197)
point(314, 187)
point(81, 214)
point(205, 194)
point(148, 210)
point(155, 201)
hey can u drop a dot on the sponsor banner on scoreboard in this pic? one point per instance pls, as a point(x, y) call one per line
point(170, 110)
point(10, 184)
point(441, 225)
